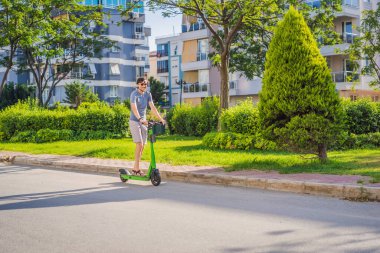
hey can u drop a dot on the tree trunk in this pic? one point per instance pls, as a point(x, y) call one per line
point(224, 88)
point(4, 80)
point(322, 152)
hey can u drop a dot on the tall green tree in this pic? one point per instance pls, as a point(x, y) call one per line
point(62, 40)
point(77, 93)
point(15, 31)
point(367, 46)
point(299, 107)
point(157, 89)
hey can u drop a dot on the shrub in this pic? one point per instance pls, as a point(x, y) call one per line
point(242, 118)
point(88, 117)
point(194, 121)
point(362, 116)
point(353, 141)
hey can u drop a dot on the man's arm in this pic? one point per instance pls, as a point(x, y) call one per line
point(137, 114)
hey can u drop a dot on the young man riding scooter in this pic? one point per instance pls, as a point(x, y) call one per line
point(140, 98)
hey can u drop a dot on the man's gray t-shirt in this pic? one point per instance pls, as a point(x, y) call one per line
point(141, 101)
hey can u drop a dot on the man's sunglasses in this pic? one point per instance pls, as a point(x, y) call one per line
point(143, 84)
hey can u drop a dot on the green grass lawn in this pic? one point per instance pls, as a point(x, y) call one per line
point(179, 150)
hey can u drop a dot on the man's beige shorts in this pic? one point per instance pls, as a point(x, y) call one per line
point(139, 132)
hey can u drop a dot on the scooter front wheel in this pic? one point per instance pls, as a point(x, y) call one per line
point(155, 178)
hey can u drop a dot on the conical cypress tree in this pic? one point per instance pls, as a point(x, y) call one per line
point(299, 107)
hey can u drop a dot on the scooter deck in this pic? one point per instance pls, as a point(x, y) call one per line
point(125, 174)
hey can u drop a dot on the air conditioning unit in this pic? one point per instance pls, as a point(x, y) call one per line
point(138, 36)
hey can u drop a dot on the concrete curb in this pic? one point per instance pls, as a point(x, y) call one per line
point(350, 192)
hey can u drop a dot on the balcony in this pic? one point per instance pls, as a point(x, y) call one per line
point(345, 77)
point(338, 49)
point(193, 90)
point(195, 65)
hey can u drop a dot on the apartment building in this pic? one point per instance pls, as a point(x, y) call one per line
point(348, 83)
point(169, 68)
point(203, 80)
point(113, 76)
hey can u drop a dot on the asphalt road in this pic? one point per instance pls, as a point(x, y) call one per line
point(50, 211)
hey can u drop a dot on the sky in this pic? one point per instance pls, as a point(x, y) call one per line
point(161, 26)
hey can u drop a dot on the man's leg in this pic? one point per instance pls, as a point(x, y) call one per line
point(138, 154)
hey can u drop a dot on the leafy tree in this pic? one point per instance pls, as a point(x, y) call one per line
point(299, 107)
point(242, 29)
point(15, 31)
point(77, 92)
point(157, 89)
point(12, 93)
point(61, 41)
point(367, 46)
point(224, 19)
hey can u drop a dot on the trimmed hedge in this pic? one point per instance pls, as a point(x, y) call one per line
point(97, 117)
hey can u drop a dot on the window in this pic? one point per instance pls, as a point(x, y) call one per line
point(140, 7)
point(162, 66)
point(162, 50)
point(115, 49)
point(375, 98)
point(139, 71)
point(203, 76)
point(139, 27)
point(113, 91)
point(202, 50)
point(353, 97)
point(114, 69)
point(92, 68)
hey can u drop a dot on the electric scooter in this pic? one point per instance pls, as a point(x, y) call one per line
point(154, 129)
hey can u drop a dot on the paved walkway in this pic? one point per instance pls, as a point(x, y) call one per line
point(342, 186)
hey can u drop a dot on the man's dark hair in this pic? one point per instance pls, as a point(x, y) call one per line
point(140, 79)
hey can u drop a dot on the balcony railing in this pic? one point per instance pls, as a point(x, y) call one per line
point(195, 87)
point(344, 76)
point(162, 70)
point(349, 3)
point(138, 36)
point(162, 53)
point(348, 37)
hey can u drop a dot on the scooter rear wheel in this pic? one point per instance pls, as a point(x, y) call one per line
point(155, 178)
point(123, 179)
